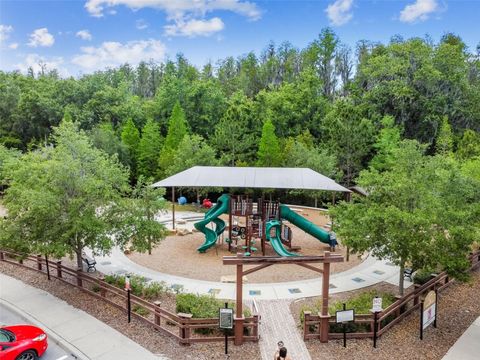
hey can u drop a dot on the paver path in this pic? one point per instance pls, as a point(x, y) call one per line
point(277, 324)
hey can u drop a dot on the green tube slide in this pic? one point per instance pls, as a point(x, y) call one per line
point(221, 207)
point(276, 241)
point(307, 226)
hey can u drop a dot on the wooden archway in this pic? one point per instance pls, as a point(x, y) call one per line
point(265, 261)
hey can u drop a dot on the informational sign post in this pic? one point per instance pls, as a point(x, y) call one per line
point(225, 321)
point(376, 308)
point(343, 317)
point(428, 311)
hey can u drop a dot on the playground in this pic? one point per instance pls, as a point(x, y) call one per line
point(208, 265)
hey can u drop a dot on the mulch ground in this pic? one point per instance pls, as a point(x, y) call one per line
point(154, 341)
point(208, 266)
point(458, 308)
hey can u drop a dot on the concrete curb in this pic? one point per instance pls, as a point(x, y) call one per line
point(52, 335)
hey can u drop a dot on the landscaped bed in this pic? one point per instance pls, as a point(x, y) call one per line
point(155, 341)
point(458, 307)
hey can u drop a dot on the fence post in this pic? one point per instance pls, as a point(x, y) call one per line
point(103, 291)
point(39, 262)
point(156, 308)
point(59, 269)
point(306, 317)
point(185, 328)
point(78, 276)
point(2, 256)
point(256, 319)
point(20, 261)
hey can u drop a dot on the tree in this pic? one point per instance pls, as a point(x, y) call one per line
point(444, 142)
point(269, 153)
point(131, 139)
point(421, 211)
point(63, 199)
point(7, 156)
point(350, 136)
point(149, 149)
point(468, 146)
point(144, 230)
point(103, 137)
point(388, 140)
point(177, 129)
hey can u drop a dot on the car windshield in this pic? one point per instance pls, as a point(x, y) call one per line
point(6, 336)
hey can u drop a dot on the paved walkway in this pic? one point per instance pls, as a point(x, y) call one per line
point(369, 272)
point(467, 347)
point(83, 335)
point(278, 324)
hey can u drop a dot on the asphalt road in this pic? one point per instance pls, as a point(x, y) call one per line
point(54, 351)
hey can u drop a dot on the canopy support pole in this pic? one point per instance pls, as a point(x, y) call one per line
point(173, 207)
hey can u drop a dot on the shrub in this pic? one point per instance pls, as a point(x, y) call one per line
point(140, 310)
point(95, 288)
point(422, 276)
point(154, 290)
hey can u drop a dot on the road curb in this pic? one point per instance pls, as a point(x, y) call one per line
point(52, 335)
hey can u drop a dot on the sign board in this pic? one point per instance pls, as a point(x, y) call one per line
point(429, 309)
point(226, 318)
point(345, 316)
point(377, 304)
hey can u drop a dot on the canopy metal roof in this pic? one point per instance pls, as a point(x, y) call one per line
point(251, 177)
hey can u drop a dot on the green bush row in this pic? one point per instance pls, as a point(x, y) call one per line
point(140, 286)
point(203, 306)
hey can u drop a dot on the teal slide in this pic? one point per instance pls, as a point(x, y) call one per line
point(307, 226)
point(221, 207)
point(276, 241)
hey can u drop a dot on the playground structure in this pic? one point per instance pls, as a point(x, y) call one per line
point(263, 221)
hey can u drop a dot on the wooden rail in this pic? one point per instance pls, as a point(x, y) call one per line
point(184, 329)
point(390, 316)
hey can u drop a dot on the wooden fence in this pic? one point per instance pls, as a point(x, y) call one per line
point(180, 326)
point(390, 316)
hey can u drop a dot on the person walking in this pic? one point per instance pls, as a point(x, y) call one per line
point(281, 353)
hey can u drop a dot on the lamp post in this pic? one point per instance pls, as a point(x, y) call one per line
point(129, 304)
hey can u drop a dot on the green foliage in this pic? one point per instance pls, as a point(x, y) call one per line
point(62, 199)
point(140, 310)
point(422, 276)
point(131, 140)
point(203, 306)
point(388, 140)
point(444, 141)
point(149, 149)
point(149, 290)
point(269, 153)
point(468, 146)
point(7, 156)
point(144, 231)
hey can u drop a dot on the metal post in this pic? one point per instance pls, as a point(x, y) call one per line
point(226, 334)
point(173, 208)
point(344, 328)
point(375, 319)
point(436, 309)
point(421, 320)
point(129, 306)
point(48, 267)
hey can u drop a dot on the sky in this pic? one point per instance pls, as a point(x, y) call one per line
point(81, 36)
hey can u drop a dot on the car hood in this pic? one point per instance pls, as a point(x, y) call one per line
point(24, 332)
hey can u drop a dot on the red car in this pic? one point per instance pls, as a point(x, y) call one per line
point(22, 342)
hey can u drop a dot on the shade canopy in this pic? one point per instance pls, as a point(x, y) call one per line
point(251, 177)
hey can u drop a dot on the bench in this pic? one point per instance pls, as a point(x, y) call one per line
point(89, 262)
point(408, 273)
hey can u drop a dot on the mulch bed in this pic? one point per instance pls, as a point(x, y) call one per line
point(458, 308)
point(154, 341)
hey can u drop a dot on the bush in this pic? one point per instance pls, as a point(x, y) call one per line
point(140, 310)
point(95, 288)
point(154, 290)
point(422, 276)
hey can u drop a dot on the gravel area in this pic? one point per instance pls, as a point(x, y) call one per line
point(208, 266)
point(458, 308)
point(154, 341)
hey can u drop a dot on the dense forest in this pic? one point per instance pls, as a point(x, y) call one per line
point(327, 106)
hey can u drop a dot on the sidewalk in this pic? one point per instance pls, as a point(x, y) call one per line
point(467, 346)
point(83, 335)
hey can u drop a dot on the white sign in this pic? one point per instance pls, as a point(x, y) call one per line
point(429, 309)
point(377, 304)
point(345, 316)
point(226, 318)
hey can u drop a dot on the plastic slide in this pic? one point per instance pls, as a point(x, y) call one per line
point(307, 226)
point(220, 208)
point(276, 241)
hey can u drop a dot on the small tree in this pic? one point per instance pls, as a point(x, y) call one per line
point(387, 142)
point(269, 153)
point(177, 129)
point(148, 149)
point(444, 142)
point(131, 139)
point(146, 202)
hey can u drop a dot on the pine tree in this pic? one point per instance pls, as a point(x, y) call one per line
point(444, 144)
point(148, 149)
point(177, 129)
point(131, 139)
point(269, 153)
